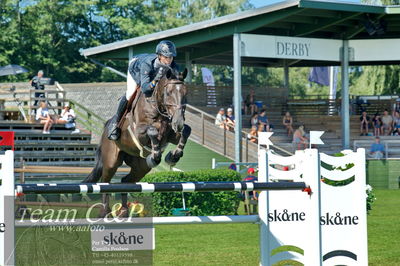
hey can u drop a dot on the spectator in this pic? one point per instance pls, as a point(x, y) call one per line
point(364, 124)
point(261, 128)
point(387, 122)
point(232, 166)
point(68, 118)
point(230, 119)
point(249, 103)
point(220, 118)
point(263, 120)
point(396, 123)
point(287, 121)
point(253, 134)
point(254, 120)
point(299, 138)
point(35, 82)
point(377, 149)
point(377, 124)
point(43, 117)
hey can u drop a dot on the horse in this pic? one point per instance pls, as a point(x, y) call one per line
point(150, 124)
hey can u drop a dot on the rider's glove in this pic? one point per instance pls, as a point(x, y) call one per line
point(159, 75)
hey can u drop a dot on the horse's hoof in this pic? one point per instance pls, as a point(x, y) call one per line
point(104, 213)
point(151, 162)
point(123, 213)
point(171, 159)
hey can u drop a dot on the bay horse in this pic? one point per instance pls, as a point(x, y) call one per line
point(149, 126)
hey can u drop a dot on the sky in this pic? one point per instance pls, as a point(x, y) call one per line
point(260, 3)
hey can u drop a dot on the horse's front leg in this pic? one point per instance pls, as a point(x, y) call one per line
point(173, 156)
point(155, 157)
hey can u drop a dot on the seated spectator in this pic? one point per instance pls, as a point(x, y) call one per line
point(387, 122)
point(220, 118)
point(261, 128)
point(68, 118)
point(249, 103)
point(299, 138)
point(263, 121)
point(377, 124)
point(253, 134)
point(287, 121)
point(230, 119)
point(364, 124)
point(43, 117)
point(377, 149)
point(396, 123)
point(254, 120)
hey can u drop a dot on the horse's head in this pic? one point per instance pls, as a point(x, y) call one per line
point(171, 97)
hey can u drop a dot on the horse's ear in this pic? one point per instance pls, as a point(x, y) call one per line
point(183, 74)
point(169, 74)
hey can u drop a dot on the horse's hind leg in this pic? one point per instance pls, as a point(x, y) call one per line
point(111, 161)
point(139, 169)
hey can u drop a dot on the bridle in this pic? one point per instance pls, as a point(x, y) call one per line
point(161, 93)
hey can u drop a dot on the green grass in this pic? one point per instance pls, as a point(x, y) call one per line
point(384, 229)
point(195, 157)
point(217, 244)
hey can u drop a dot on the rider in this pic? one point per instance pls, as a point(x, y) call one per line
point(144, 70)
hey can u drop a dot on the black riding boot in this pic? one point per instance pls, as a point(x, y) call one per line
point(113, 129)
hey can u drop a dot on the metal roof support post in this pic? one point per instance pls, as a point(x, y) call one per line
point(130, 53)
point(237, 83)
point(345, 112)
point(188, 65)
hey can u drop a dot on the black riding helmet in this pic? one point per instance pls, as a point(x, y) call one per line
point(166, 48)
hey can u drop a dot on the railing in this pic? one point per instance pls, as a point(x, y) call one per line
point(202, 95)
point(85, 117)
point(373, 103)
point(222, 141)
point(54, 97)
point(392, 147)
point(309, 97)
point(310, 106)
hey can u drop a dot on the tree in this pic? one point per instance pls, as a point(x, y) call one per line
point(377, 80)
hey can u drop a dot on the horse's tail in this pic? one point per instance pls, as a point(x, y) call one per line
point(96, 173)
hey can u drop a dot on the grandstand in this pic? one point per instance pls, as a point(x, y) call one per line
point(90, 102)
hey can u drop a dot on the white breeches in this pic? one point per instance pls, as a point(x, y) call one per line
point(130, 86)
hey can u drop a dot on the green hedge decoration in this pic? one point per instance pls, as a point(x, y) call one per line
point(199, 203)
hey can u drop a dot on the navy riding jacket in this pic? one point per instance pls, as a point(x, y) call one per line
point(143, 68)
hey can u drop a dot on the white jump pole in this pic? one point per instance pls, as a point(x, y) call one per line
point(7, 219)
point(263, 139)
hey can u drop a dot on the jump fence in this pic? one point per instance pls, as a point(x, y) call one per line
point(314, 214)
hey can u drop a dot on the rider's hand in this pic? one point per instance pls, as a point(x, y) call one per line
point(160, 73)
